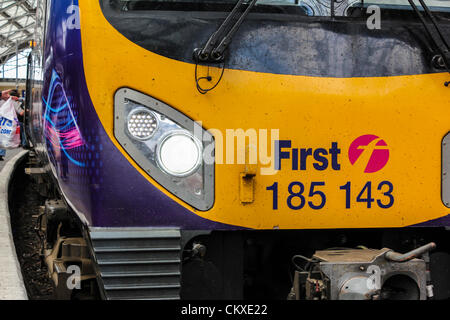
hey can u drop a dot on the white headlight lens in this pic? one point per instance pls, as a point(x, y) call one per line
point(142, 124)
point(179, 154)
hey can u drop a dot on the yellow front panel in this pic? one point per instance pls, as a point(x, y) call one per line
point(410, 113)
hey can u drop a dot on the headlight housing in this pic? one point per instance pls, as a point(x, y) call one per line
point(165, 144)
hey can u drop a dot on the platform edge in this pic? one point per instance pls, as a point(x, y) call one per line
point(13, 269)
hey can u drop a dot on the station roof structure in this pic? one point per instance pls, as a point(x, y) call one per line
point(17, 21)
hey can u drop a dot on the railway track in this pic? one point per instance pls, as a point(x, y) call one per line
point(24, 204)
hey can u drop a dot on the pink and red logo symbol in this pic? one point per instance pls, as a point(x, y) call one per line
point(370, 152)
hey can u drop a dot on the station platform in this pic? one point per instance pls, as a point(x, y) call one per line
point(11, 281)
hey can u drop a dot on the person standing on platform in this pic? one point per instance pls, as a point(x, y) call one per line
point(5, 96)
point(20, 112)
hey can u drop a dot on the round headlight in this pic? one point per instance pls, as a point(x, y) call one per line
point(142, 124)
point(179, 153)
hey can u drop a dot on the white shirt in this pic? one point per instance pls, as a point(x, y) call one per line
point(16, 105)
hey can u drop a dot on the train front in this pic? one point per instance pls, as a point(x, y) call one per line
point(208, 162)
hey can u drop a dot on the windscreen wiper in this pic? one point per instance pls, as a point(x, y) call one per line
point(442, 60)
point(214, 49)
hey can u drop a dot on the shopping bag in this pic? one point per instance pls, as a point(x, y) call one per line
point(9, 126)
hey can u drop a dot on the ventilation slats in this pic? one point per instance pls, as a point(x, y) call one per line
point(138, 264)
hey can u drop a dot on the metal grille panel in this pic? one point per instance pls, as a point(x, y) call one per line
point(138, 263)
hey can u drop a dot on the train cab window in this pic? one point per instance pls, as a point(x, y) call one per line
point(322, 8)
